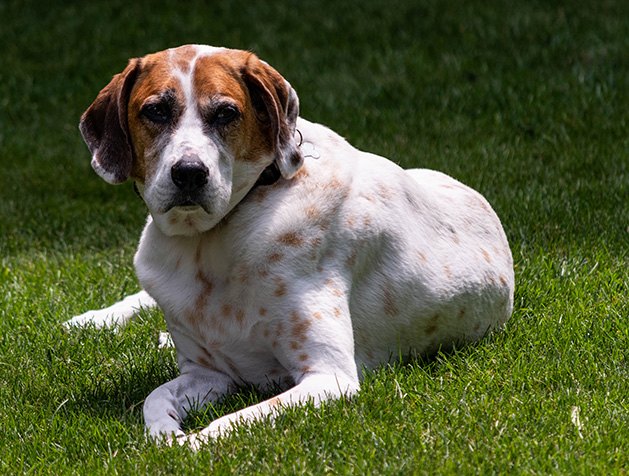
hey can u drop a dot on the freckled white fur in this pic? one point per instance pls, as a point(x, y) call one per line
point(349, 265)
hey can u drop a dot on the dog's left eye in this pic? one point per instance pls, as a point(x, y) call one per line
point(226, 114)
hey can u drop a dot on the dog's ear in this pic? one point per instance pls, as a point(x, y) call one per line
point(276, 104)
point(105, 127)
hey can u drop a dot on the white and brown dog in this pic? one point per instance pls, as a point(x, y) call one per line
point(280, 254)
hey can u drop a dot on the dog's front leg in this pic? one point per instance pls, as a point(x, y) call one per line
point(168, 405)
point(314, 387)
point(117, 314)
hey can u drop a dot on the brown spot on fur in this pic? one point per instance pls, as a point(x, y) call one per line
point(337, 312)
point(485, 255)
point(390, 309)
point(266, 333)
point(334, 183)
point(275, 401)
point(432, 324)
point(261, 193)
point(447, 271)
point(384, 192)
point(197, 254)
point(350, 262)
point(303, 357)
point(291, 239)
point(275, 257)
point(279, 331)
point(295, 345)
point(351, 221)
point(422, 257)
point(226, 310)
point(240, 317)
point(305, 369)
point(281, 288)
point(317, 315)
point(300, 327)
point(262, 312)
point(312, 212)
point(503, 280)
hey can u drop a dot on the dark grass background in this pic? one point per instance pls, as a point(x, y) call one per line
point(526, 102)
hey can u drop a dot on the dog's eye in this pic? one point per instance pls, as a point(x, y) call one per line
point(158, 113)
point(226, 114)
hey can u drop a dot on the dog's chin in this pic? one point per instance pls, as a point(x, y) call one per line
point(186, 219)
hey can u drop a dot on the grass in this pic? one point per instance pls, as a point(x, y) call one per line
point(526, 103)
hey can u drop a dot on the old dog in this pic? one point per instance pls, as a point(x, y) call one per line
point(279, 254)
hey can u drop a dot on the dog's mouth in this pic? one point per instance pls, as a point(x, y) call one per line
point(187, 203)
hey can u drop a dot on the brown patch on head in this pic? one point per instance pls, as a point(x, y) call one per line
point(182, 57)
point(155, 83)
point(290, 239)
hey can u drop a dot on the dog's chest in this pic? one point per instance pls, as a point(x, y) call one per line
point(214, 306)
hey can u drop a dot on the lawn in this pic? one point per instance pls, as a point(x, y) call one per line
point(526, 102)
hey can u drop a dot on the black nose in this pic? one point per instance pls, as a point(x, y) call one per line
point(189, 175)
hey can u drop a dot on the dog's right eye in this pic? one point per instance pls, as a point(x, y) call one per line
point(158, 113)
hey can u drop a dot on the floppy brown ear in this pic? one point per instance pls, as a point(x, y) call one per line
point(277, 104)
point(105, 127)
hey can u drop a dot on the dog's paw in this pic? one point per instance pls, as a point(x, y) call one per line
point(98, 319)
point(164, 341)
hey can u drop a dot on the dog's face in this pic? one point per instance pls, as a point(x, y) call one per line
point(194, 127)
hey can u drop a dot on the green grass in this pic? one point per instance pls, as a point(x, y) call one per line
point(526, 102)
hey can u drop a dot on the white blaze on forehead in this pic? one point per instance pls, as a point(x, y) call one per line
point(191, 121)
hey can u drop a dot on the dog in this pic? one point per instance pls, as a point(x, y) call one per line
point(280, 255)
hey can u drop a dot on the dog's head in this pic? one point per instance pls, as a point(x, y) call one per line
point(195, 127)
